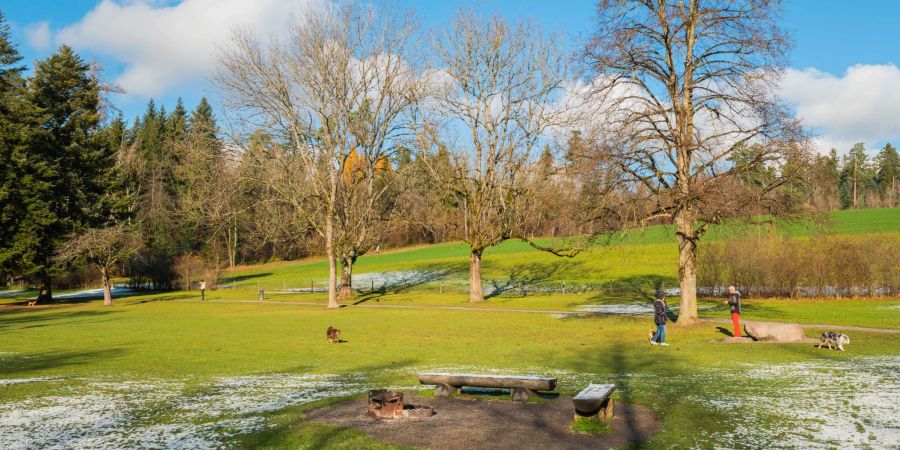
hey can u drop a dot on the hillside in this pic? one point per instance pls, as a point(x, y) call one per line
point(639, 257)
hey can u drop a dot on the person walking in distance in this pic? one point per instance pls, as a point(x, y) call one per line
point(659, 317)
point(202, 290)
point(734, 303)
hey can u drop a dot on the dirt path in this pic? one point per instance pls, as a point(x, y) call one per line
point(498, 424)
point(823, 326)
point(544, 311)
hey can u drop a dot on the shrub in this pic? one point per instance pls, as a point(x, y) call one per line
point(818, 266)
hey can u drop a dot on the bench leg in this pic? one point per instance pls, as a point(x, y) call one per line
point(521, 394)
point(445, 390)
point(607, 410)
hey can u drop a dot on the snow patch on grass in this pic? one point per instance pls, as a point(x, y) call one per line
point(159, 414)
point(621, 309)
point(820, 404)
point(9, 381)
point(829, 403)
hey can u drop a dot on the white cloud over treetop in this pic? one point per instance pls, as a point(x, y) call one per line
point(862, 105)
point(38, 35)
point(164, 46)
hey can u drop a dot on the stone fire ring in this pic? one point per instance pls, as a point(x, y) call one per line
point(464, 423)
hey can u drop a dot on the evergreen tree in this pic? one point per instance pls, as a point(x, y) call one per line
point(202, 125)
point(749, 156)
point(66, 164)
point(18, 126)
point(118, 193)
point(176, 123)
point(855, 176)
point(888, 168)
point(546, 164)
point(832, 164)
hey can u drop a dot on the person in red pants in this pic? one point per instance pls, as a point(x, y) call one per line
point(734, 303)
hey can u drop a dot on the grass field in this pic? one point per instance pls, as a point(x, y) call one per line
point(637, 258)
point(163, 370)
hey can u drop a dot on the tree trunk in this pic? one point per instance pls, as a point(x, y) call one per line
point(854, 183)
point(233, 244)
point(46, 293)
point(475, 294)
point(107, 288)
point(346, 289)
point(687, 274)
point(332, 262)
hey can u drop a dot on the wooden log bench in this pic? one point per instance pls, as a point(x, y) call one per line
point(522, 387)
point(595, 400)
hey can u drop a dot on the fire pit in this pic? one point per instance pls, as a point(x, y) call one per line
point(384, 404)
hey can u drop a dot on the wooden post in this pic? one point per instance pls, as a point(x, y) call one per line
point(521, 394)
point(445, 390)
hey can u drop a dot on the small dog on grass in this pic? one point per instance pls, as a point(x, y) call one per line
point(333, 335)
point(32, 303)
point(833, 338)
point(650, 334)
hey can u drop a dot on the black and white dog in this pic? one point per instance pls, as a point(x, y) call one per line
point(833, 338)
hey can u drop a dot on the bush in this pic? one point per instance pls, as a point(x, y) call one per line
point(818, 266)
point(191, 268)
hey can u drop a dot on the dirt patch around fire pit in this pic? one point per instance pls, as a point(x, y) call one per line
point(460, 423)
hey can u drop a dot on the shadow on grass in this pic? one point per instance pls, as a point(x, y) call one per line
point(241, 278)
point(619, 363)
point(27, 319)
point(36, 362)
point(87, 297)
point(633, 289)
point(412, 279)
point(537, 276)
point(167, 298)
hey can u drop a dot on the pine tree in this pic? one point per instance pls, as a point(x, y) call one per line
point(64, 177)
point(203, 122)
point(176, 123)
point(18, 127)
point(888, 169)
point(855, 176)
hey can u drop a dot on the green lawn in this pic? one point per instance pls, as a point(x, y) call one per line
point(164, 370)
point(640, 258)
point(155, 341)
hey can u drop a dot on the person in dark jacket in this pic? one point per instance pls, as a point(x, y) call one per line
point(734, 304)
point(659, 317)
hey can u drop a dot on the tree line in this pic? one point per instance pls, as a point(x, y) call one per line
point(827, 266)
point(360, 131)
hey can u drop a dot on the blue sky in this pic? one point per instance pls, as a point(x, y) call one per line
point(844, 79)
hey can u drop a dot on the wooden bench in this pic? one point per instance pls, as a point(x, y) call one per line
point(594, 400)
point(522, 387)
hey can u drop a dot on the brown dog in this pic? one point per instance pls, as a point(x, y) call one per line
point(333, 335)
point(32, 303)
point(650, 335)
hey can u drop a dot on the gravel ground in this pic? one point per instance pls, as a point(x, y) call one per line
point(461, 423)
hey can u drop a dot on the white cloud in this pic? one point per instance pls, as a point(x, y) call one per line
point(862, 105)
point(167, 45)
point(39, 36)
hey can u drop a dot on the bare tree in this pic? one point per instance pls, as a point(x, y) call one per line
point(210, 198)
point(501, 87)
point(103, 247)
point(690, 88)
point(340, 89)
